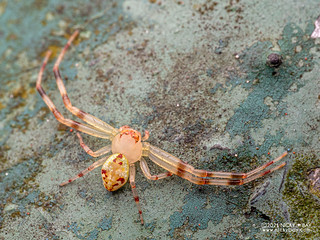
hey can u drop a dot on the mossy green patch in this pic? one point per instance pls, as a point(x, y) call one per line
point(304, 207)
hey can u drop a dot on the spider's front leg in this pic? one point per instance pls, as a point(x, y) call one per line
point(70, 123)
point(92, 120)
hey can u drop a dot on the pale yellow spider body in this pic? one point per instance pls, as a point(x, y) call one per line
point(128, 148)
point(128, 142)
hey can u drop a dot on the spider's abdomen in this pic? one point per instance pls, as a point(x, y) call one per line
point(115, 172)
point(128, 142)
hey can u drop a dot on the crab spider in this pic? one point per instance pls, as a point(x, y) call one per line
point(128, 147)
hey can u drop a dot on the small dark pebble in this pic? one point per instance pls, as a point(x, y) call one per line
point(274, 60)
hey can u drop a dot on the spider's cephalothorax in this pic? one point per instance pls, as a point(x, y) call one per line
point(128, 147)
point(128, 142)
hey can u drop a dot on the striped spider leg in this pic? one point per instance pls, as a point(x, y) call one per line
point(128, 147)
point(96, 127)
point(203, 177)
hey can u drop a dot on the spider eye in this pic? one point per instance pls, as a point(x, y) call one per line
point(134, 134)
point(115, 172)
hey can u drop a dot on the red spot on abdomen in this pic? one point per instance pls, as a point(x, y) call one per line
point(121, 180)
point(103, 171)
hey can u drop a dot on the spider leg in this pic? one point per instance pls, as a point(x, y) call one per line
point(96, 122)
point(223, 182)
point(97, 153)
point(253, 177)
point(146, 136)
point(70, 123)
point(258, 169)
point(186, 171)
point(132, 176)
point(146, 171)
point(87, 170)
